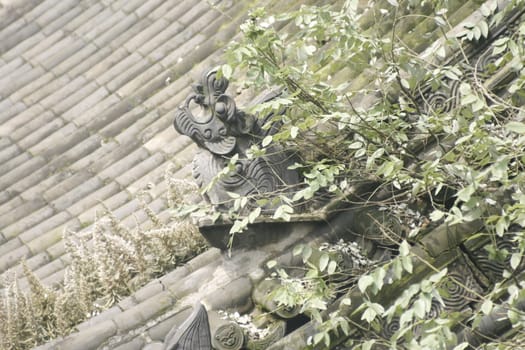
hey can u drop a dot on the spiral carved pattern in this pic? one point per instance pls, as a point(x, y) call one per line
point(493, 269)
point(388, 329)
point(435, 309)
point(456, 291)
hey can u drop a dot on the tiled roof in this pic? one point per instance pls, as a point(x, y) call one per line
point(87, 94)
point(87, 89)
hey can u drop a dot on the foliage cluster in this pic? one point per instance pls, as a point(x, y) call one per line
point(108, 262)
point(435, 130)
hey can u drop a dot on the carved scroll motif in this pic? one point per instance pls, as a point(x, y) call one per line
point(221, 130)
point(228, 336)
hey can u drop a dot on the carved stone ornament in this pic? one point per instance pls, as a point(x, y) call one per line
point(193, 334)
point(222, 131)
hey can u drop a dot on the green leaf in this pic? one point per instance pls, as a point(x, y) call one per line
point(465, 193)
point(307, 253)
point(267, 140)
point(271, 264)
point(369, 315)
point(435, 278)
point(226, 71)
point(318, 338)
point(436, 215)
point(254, 214)
point(419, 309)
point(515, 260)
point(323, 261)
point(484, 27)
point(332, 266)
point(293, 132)
point(367, 345)
point(346, 301)
point(355, 145)
point(516, 127)
point(461, 346)
point(298, 249)
point(487, 306)
point(364, 282)
point(404, 248)
point(407, 263)
point(238, 226)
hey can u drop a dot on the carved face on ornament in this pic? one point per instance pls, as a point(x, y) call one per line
point(218, 125)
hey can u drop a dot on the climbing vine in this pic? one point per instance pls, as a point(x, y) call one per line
point(439, 133)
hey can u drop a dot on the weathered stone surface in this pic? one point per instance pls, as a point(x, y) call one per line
point(58, 57)
point(119, 31)
point(64, 19)
point(235, 296)
point(91, 97)
point(93, 199)
point(91, 338)
point(154, 346)
point(15, 209)
point(27, 222)
point(21, 171)
point(9, 151)
point(159, 331)
point(60, 141)
point(145, 35)
point(140, 169)
point(58, 95)
point(80, 24)
point(144, 85)
point(160, 38)
point(41, 46)
point(12, 66)
point(47, 89)
point(42, 132)
point(11, 203)
point(136, 344)
point(119, 68)
point(14, 161)
point(24, 76)
point(13, 257)
point(75, 195)
point(188, 284)
point(107, 315)
point(33, 125)
point(193, 13)
point(140, 313)
point(36, 240)
point(18, 35)
point(10, 245)
point(104, 25)
point(116, 201)
point(24, 116)
point(67, 182)
point(75, 59)
point(85, 96)
point(33, 85)
point(61, 50)
point(119, 167)
point(89, 62)
point(13, 55)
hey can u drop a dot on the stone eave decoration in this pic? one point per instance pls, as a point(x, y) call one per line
point(222, 131)
point(224, 134)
